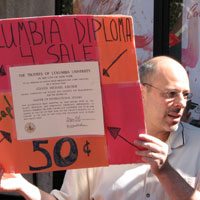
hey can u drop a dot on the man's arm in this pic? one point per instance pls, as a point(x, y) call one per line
point(31, 192)
point(17, 183)
point(175, 185)
point(155, 154)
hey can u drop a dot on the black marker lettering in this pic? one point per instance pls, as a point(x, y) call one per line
point(87, 53)
point(73, 153)
point(64, 52)
point(121, 29)
point(22, 30)
point(44, 33)
point(6, 36)
point(7, 111)
point(128, 29)
point(73, 52)
point(37, 37)
point(30, 55)
point(51, 52)
point(113, 30)
point(95, 23)
point(9, 108)
point(80, 30)
point(105, 33)
point(88, 27)
point(54, 30)
point(36, 147)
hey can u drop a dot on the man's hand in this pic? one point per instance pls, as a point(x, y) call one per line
point(154, 151)
point(17, 183)
point(10, 182)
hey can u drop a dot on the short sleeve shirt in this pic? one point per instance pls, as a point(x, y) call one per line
point(135, 181)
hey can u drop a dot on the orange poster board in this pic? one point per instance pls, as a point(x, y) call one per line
point(69, 93)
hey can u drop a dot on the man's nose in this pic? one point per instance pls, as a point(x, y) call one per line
point(180, 101)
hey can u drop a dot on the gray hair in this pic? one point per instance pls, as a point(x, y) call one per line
point(146, 70)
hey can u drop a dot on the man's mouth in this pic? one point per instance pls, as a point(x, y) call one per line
point(175, 116)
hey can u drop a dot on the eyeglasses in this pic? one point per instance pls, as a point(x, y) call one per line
point(171, 94)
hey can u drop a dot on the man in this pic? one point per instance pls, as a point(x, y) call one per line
point(171, 150)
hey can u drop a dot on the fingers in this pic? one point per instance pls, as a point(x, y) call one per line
point(147, 153)
point(154, 151)
point(143, 145)
point(150, 156)
point(1, 172)
point(149, 142)
point(150, 138)
point(151, 145)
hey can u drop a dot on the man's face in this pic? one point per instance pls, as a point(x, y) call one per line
point(165, 98)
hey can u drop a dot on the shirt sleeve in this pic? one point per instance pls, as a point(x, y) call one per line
point(75, 186)
point(197, 185)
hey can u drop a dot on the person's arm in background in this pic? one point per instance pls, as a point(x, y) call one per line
point(17, 183)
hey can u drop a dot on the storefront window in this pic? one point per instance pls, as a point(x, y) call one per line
point(184, 45)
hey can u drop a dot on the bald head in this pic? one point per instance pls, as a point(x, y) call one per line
point(161, 66)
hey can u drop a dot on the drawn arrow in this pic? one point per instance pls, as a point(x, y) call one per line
point(6, 136)
point(105, 71)
point(114, 131)
point(2, 71)
point(86, 148)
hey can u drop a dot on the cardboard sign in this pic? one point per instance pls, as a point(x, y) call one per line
point(69, 93)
